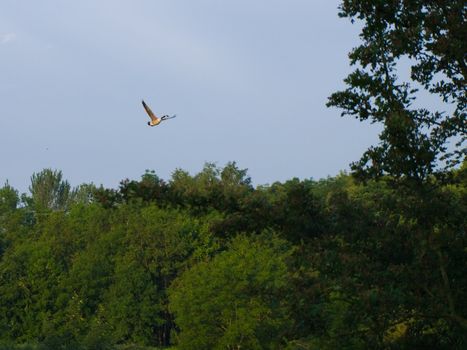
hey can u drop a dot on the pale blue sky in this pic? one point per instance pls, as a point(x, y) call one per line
point(248, 80)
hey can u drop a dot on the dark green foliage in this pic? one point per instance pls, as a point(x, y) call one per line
point(351, 265)
point(431, 35)
point(419, 234)
point(150, 188)
point(236, 300)
point(9, 201)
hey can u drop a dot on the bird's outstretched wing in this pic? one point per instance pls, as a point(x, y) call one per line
point(165, 117)
point(149, 112)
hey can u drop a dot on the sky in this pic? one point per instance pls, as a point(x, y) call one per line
point(248, 81)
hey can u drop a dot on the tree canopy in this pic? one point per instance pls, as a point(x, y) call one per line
point(210, 261)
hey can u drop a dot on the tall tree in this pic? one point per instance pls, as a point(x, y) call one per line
point(431, 36)
point(416, 146)
point(49, 190)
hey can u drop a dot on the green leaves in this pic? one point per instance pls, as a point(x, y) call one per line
point(210, 262)
point(49, 191)
point(234, 300)
point(428, 34)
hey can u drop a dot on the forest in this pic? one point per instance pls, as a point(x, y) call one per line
point(374, 258)
point(209, 261)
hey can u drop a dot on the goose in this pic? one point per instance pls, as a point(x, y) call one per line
point(154, 119)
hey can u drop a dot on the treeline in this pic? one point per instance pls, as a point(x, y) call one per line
point(211, 262)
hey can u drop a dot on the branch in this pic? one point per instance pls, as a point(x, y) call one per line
point(455, 128)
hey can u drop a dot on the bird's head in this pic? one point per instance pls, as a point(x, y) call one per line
point(149, 123)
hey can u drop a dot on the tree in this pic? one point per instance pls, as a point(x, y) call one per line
point(234, 300)
point(84, 193)
point(10, 217)
point(9, 199)
point(414, 148)
point(431, 35)
point(157, 245)
point(296, 211)
point(49, 191)
point(150, 188)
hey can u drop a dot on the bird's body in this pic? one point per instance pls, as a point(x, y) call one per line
point(155, 120)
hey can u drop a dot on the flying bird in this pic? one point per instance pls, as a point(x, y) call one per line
point(155, 120)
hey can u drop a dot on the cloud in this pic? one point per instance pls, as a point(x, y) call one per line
point(5, 38)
